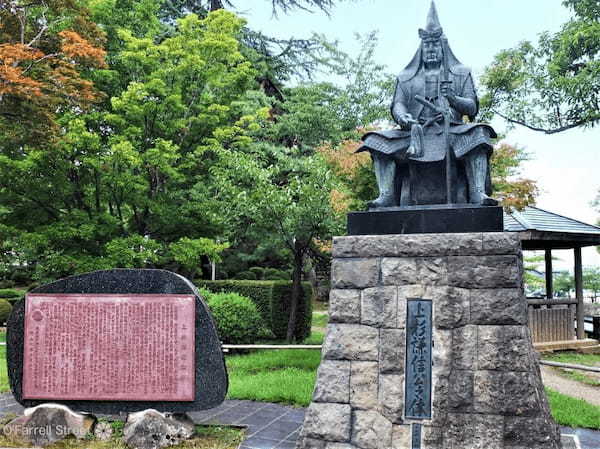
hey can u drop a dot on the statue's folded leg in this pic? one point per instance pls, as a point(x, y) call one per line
point(476, 167)
point(385, 173)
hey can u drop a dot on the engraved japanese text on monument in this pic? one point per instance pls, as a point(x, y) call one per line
point(109, 347)
point(418, 359)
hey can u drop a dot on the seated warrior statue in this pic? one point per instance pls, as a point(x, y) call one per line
point(433, 94)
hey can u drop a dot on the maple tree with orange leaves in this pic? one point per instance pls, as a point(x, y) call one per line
point(47, 50)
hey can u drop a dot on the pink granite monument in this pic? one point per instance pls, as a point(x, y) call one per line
point(117, 347)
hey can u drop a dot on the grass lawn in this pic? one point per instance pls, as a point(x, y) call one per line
point(3, 371)
point(320, 319)
point(574, 357)
point(568, 411)
point(284, 376)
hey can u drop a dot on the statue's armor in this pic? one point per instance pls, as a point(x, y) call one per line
point(463, 137)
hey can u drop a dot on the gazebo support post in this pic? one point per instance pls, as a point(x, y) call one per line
point(549, 284)
point(579, 294)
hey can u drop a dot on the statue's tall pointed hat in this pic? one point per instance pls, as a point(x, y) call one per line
point(432, 30)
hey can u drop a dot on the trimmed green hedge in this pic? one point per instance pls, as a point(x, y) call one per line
point(272, 299)
point(9, 293)
point(280, 310)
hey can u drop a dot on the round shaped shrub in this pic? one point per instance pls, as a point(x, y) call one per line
point(5, 309)
point(237, 318)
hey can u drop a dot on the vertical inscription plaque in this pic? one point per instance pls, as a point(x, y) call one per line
point(118, 347)
point(416, 436)
point(418, 359)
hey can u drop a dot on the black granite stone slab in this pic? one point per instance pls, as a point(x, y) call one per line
point(426, 220)
point(211, 374)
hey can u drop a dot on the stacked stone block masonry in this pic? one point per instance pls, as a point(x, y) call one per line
point(487, 390)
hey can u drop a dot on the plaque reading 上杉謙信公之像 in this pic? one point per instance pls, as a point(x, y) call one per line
point(117, 347)
point(418, 359)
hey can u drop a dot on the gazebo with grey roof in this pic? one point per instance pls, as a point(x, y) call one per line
point(543, 230)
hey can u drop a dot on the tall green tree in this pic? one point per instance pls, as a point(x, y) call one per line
point(286, 195)
point(131, 185)
point(591, 281)
point(554, 85)
point(532, 276)
point(564, 283)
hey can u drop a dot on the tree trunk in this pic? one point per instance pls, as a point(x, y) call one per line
point(296, 291)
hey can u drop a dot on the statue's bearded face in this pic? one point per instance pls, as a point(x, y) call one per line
point(432, 51)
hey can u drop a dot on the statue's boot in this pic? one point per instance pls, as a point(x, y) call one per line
point(477, 169)
point(385, 173)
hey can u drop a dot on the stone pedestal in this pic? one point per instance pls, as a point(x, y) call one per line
point(486, 389)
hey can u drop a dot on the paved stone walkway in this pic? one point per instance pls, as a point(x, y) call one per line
point(273, 426)
point(269, 426)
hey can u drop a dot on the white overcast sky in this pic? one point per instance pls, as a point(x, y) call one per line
point(565, 165)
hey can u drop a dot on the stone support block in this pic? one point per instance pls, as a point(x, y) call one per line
point(410, 245)
point(391, 351)
point(391, 396)
point(351, 342)
point(333, 382)
point(364, 385)
point(460, 391)
point(379, 307)
point(501, 243)
point(370, 430)
point(329, 422)
point(452, 306)
point(503, 348)
point(505, 393)
point(530, 433)
point(401, 437)
point(344, 306)
point(474, 432)
point(354, 273)
point(398, 271)
point(484, 272)
point(464, 348)
point(432, 437)
point(498, 306)
point(432, 270)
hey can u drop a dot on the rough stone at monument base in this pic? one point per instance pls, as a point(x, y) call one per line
point(486, 389)
point(47, 424)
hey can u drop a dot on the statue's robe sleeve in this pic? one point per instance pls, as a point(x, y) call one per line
point(401, 100)
point(465, 101)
